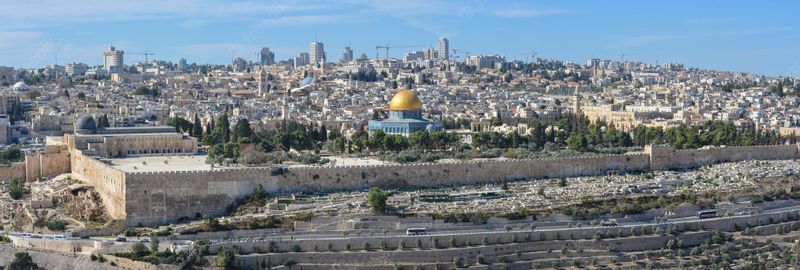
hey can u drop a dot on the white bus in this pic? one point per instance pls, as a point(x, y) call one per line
point(416, 231)
point(707, 213)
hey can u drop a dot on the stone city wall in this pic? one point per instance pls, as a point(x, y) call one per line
point(162, 197)
point(12, 170)
point(108, 182)
point(46, 164)
point(666, 157)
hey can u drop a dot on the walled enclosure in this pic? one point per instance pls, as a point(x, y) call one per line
point(163, 197)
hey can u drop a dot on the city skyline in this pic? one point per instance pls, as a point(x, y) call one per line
point(703, 35)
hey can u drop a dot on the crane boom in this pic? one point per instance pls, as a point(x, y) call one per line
point(145, 53)
point(388, 46)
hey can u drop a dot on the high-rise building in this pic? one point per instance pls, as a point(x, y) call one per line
point(347, 56)
point(414, 56)
point(182, 65)
point(301, 60)
point(431, 54)
point(112, 60)
point(486, 61)
point(7, 74)
point(75, 69)
point(443, 48)
point(316, 51)
point(267, 57)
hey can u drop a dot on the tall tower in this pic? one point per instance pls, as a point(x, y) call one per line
point(347, 56)
point(267, 57)
point(316, 51)
point(443, 48)
point(112, 60)
point(262, 76)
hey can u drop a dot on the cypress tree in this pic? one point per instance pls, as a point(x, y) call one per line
point(197, 128)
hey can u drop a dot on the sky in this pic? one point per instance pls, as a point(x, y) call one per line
point(762, 37)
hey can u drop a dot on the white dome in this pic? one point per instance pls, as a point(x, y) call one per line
point(20, 86)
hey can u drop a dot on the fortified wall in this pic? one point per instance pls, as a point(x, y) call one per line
point(162, 197)
point(665, 157)
point(109, 182)
point(150, 198)
point(54, 160)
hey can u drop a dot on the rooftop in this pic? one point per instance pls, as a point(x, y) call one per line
point(161, 163)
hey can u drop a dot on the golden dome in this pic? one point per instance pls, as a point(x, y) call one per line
point(405, 100)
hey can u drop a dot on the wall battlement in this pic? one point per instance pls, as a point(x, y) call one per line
point(160, 197)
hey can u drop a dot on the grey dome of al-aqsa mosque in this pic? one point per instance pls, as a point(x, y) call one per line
point(85, 125)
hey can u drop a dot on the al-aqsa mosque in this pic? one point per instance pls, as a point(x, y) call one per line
point(405, 116)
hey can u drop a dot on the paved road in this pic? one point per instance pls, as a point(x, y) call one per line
point(481, 231)
point(402, 234)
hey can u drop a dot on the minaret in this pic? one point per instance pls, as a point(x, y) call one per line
point(262, 74)
point(576, 109)
point(285, 111)
point(322, 67)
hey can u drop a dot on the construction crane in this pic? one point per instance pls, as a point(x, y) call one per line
point(388, 46)
point(145, 53)
point(533, 56)
point(454, 54)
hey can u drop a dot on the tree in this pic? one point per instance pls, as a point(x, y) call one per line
point(154, 244)
point(323, 134)
point(377, 200)
point(144, 91)
point(243, 129)
point(220, 131)
point(138, 249)
point(16, 188)
point(11, 154)
point(419, 140)
point(226, 258)
point(496, 121)
point(577, 141)
point(376, 140)
point(197, 128)
point(225, 127)
point(22, 261)
point(338, 145)
point(180, 124)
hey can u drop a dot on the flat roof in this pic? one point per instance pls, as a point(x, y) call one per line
point(198, 163)
point(161, 163)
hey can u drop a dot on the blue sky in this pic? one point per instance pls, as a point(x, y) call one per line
point(755, 36)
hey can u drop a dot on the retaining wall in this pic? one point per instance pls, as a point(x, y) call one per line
point(162, 197)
